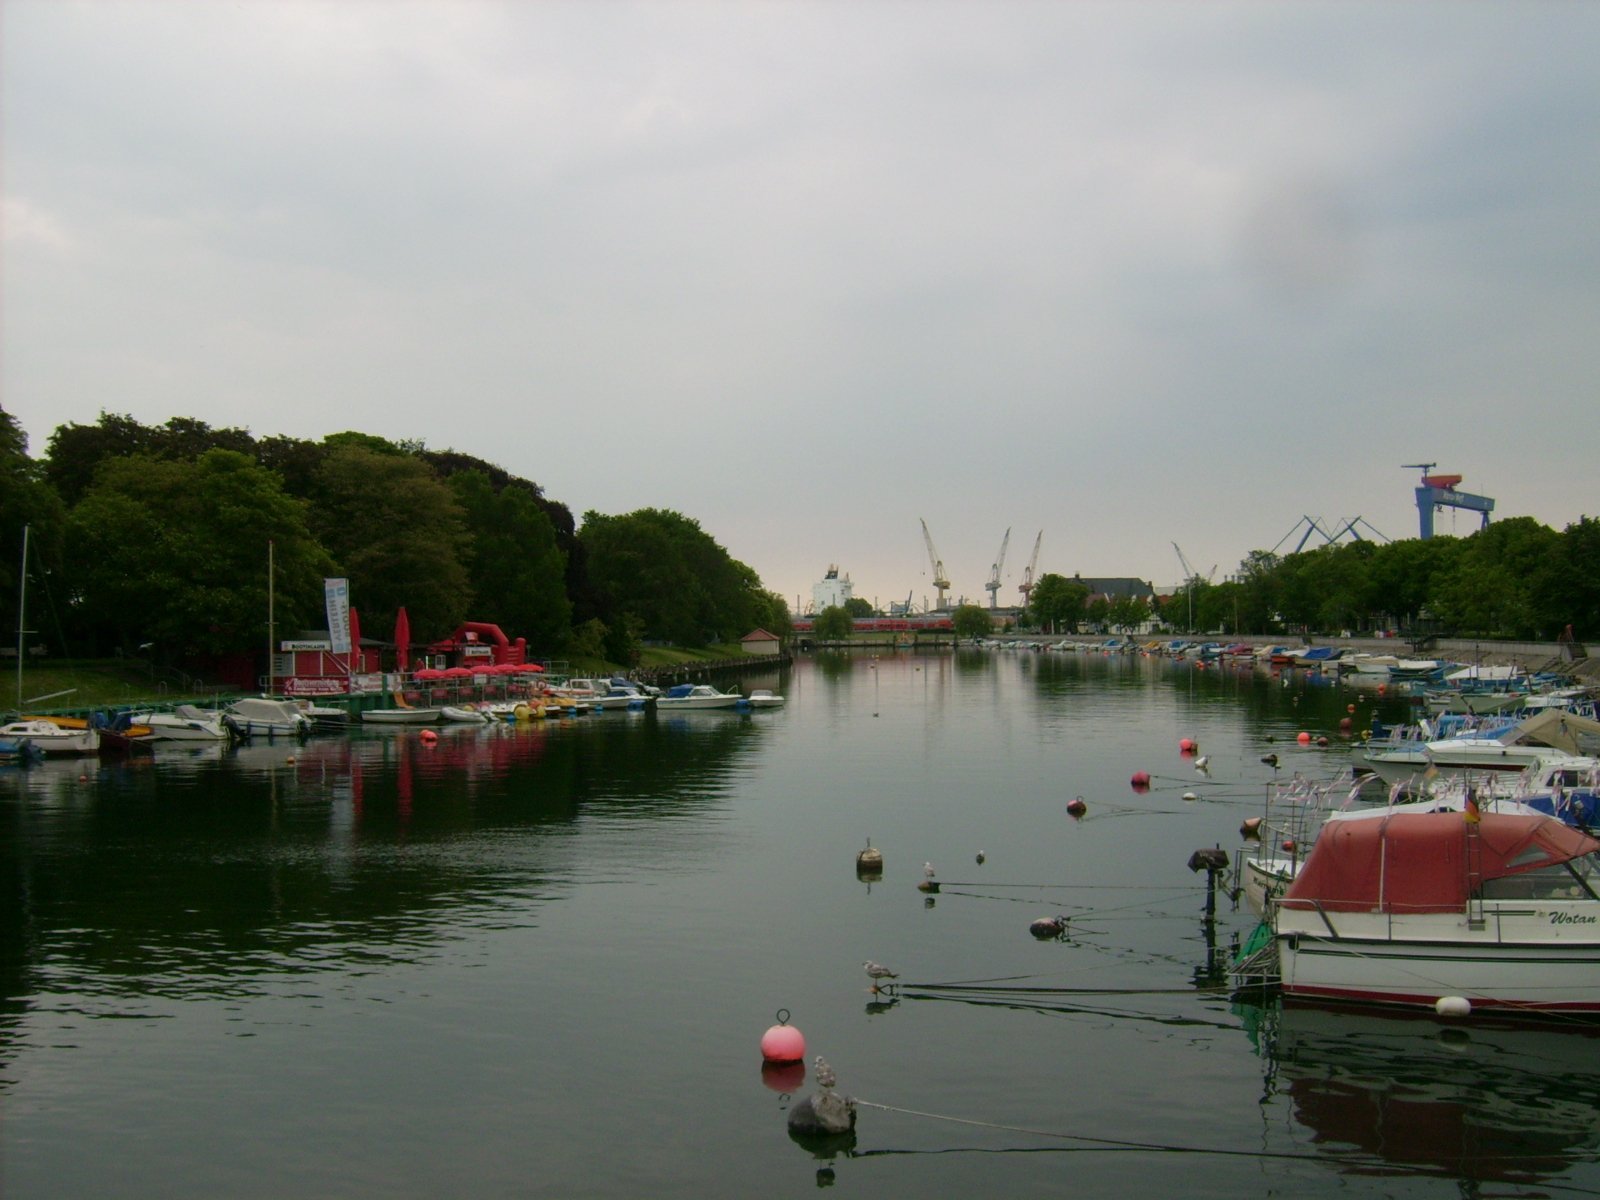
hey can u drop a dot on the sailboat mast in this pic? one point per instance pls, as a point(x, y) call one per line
point(271, 685)
point(22, 615)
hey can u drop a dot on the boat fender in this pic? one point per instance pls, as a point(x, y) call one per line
point(1452, 1006)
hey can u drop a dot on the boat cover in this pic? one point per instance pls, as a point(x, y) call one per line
point(1417, 862)
point(1555, 727)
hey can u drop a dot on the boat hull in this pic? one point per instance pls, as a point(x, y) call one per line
point(400, 716)
point(1537, 958)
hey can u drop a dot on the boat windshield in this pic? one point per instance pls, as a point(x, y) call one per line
point(1577, 879)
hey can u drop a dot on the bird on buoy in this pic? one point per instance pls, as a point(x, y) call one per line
point(877, 972)
point(824, 1073)
point(980, 858)
point(929, 883)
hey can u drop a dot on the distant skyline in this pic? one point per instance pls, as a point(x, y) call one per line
point(811, 273)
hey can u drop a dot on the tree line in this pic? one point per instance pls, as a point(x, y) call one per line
point(154, 540)
point(1515, 579)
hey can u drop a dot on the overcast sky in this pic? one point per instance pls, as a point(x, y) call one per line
point(1127, 274)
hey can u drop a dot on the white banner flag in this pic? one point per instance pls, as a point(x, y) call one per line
point(338, 597)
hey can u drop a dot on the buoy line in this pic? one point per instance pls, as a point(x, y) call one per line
point(1099, 887)
point(1120, 1146)
point(1066, 991)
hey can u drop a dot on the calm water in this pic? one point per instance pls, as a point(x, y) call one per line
point(537, 961)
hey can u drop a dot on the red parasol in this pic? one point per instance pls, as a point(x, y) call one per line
point(402, 639)
point(355, 662)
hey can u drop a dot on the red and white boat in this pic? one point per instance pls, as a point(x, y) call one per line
point(1501, 910)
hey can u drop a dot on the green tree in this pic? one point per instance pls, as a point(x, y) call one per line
point(1128, 612)
point(857, 607)
point(971, 621)
point(25, 500)
point(195, 577)
point(76, 452)
point(1567, 588)
point(833, 624)
point(660, 568)
point(518, 573)
point(396, 532)
point(1057, 603)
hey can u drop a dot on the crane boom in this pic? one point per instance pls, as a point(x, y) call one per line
point(1188, 571)
point(941, 582)
point(993, 586)
point(1026, 586)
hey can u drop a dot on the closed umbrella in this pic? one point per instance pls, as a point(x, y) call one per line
point(402, 639)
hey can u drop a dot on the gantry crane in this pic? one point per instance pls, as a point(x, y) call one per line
point(1026, 586)
point(993, 586)
point(1439, 491)
point(941, 581)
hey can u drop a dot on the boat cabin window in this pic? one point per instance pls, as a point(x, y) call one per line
point(1575, 880)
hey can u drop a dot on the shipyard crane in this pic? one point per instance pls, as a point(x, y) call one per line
point(941, 581)
point(1439, 491)
point(1190, 578)
point(1026, 586)
point(993, 586)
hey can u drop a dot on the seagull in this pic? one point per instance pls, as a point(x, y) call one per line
point(1201, 763)
point(927, 870)
point(980, 858)
point(877, 972)
point(825, 1076)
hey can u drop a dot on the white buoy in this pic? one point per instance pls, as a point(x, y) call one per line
point(1452, 1006)
point(1190, 796)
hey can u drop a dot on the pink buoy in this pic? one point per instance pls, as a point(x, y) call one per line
point(1140, 780)
point(1076, 806)
point(1304, 739)
point(1187, 745)
point(428, 737)
point(783, 1043)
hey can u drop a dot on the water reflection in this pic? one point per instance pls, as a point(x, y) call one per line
point(245, 870)
point(1477, 1101)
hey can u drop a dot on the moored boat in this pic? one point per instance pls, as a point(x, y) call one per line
point(52, 738)
point(694, 697)
point(263, 716)
point(401, 716)
point(185, 723)
point(1500, 910)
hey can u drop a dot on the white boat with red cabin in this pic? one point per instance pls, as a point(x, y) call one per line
point(1501, 910)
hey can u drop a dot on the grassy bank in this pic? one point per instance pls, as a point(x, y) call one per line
point(96, 683)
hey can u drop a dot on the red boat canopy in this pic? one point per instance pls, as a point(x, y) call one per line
point(1417, 862)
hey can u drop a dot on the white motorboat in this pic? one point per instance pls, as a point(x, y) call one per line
point(694, 697)
point(263, 716)
point(51, 738)
point(1501, 910)
point(401, 716)
point(185, 723)
point(765, 698)
point(621, 698)
point(462, 715)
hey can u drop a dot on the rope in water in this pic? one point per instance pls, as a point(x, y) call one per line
point(1117, 1144)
